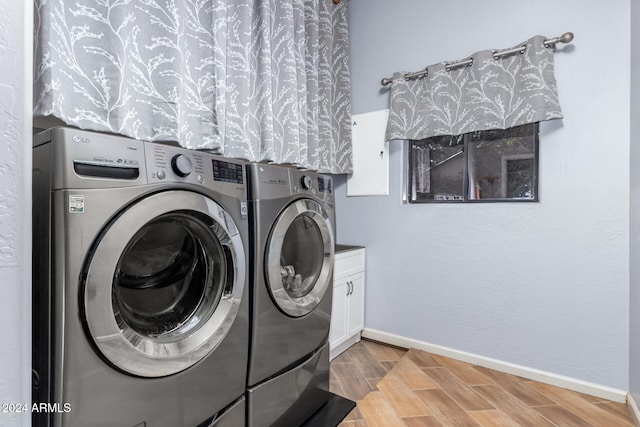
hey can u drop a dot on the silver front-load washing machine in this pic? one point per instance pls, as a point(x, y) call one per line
point(293, 221)
point(140, 293)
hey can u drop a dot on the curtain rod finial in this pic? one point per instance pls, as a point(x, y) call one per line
point(566, 37)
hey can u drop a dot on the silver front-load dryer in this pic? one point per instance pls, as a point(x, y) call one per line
point(293, 221)
point(140, 314)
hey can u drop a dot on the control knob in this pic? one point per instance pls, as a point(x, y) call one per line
point(181, 165)
point(306, 182)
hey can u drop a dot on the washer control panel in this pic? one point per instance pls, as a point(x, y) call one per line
point(181, 165)
point(174, 164)
point(225, 171)
point(170, 164)
point(88, 159)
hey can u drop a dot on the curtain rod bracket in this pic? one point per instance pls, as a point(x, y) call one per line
point(565, 38)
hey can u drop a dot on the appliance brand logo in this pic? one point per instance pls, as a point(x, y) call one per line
point(275, 181)
point(78, 139)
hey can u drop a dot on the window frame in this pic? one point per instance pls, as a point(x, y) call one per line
point(467, 138)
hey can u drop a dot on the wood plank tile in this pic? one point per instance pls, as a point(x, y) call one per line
point(413, 376)
point(578, 405)
point(568, 408)
point(355, 387)
point(445, 409)
point(516, 387)
point(465, 371)
point(332, 373)
point(373, 382)
point(383, 352)
point(369, 366)
point(422, 359)
point(619, 409)
point(357, 423)
point(586, 397)
point(562, 417)
point(344, 357)
point(493, 418)
point(514, 408)
point(463, 394)
point(378, 412)
point(354, 415)
point(404, 401)
point(430, 421)
point(336, 388)
point(388, 364)
point(590, 398)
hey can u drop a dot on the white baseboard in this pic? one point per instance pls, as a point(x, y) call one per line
point(635, 412)
point(533, 374)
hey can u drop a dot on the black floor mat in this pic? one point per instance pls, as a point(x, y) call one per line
point(331, 413)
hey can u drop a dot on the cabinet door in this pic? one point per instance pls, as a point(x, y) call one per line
point(338, 331)
point(356, 304)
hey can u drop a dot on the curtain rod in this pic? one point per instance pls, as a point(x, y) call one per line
point(565, 38)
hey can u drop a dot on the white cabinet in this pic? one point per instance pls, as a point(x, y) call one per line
point(347, 315)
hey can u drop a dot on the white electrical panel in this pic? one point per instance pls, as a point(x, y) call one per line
point(370, 175)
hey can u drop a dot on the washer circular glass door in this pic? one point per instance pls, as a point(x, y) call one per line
point(164, 284)
point(299, 257)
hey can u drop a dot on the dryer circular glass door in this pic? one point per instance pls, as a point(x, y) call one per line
point(299, 257)
point(164, 283)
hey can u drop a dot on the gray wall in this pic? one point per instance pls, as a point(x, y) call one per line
point(543, 285)
point(15, 207)
point(634, 236)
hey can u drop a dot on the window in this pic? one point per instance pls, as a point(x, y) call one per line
point(494, 165)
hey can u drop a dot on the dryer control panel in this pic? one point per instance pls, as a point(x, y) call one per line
point(311, 183)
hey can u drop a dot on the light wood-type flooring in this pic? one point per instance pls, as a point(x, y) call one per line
point(394, 387)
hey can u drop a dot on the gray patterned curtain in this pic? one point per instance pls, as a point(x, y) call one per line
point(263, 80)
point(490, 94)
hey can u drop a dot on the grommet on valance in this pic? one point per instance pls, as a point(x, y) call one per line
point(548, 43)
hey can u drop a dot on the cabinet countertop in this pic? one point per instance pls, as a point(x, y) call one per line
point(344, 248)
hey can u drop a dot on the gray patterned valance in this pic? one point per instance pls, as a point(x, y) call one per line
point(489, 94)
point(263, 80)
